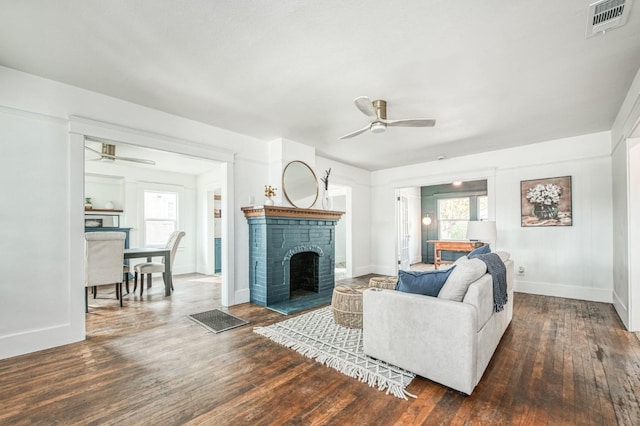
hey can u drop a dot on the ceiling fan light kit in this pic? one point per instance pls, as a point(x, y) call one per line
point(378, 127)
point(377, 112)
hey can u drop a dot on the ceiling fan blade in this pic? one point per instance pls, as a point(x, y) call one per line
point(133, 160)
point(411, 122)
point(98, 154)
point(365, 105)
point(104, 156)
point(356, 133)
point(92, 150)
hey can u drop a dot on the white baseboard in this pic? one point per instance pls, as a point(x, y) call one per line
point(203, 269)
point(567, 291)
point(383, 270)
point(362, 270)
point(37, 340)
point(183, 269)
point(622, 309)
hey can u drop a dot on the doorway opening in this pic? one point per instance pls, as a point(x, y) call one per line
point(340, 197)
point(119, 187)
point(436, 212)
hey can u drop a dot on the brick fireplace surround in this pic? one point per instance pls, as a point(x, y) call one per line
point(276, 236)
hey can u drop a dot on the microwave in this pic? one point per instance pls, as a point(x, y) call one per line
point(101, 221)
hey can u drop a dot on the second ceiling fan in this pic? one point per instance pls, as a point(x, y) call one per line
point(108, 153)
point(377, 112)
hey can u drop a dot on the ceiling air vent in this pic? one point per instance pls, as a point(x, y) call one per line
point(607, 14)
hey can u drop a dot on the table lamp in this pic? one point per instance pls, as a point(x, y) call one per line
point(482, 230)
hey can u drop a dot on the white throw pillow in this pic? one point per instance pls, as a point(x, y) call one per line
point(460, 260)
point(465, 272)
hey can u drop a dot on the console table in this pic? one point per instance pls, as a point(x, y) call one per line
point(441, 245)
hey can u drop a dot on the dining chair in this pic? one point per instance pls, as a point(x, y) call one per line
point(151, 267)
point(125, 272)
point(104, 256)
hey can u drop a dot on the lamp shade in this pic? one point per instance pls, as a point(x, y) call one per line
point(483, 230)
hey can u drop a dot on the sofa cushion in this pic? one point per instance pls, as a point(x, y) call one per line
point(480, 295)
point(465, 272)
point(480, 250)
point(427, 283)
point(504, 256)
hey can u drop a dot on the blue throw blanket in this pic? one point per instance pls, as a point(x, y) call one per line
point(495, 266)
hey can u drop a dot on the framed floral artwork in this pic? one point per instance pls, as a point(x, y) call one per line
point(546, 202)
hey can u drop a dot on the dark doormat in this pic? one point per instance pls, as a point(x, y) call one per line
point(217, 320)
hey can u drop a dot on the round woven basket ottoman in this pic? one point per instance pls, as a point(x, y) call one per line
point(383, 282)
point(346, 304)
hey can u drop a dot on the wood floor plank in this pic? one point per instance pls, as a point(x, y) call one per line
point(561, 361)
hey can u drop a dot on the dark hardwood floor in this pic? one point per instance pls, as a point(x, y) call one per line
point(561, 361)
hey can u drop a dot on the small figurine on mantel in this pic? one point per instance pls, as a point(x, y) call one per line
point(269, 193)
point(326, 200)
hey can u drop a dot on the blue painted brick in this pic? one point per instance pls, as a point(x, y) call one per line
point(270, 239)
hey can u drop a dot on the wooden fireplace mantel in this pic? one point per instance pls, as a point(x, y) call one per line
point(281, 211)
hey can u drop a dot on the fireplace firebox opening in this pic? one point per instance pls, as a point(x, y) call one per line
point(303, 274)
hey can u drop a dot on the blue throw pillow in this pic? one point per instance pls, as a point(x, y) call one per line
point(427, 283)
point(480, 250)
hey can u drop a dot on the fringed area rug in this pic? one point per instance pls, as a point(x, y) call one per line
point(317, 336)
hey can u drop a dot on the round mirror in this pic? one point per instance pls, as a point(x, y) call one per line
point(300, 185)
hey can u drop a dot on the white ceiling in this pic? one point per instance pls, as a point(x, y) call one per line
point(493, 73)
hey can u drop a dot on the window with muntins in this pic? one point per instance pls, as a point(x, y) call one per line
point(160, 217)
point(483, 207)
point(453, 215)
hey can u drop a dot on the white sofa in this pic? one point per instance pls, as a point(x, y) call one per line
point(446, 341)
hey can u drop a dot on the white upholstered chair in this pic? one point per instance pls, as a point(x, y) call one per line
point(104, 254)
point(151, 267)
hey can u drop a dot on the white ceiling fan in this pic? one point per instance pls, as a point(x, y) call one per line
point(377, 112)
point(108, 153)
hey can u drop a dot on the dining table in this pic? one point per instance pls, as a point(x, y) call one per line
point(149, 253)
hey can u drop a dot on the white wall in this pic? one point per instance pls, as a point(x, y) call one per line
point(358, 217)
point(250, 176)
point(339, 203)
point(571, 261)
point(625, 172)
point(103, 189)
point(41, 298)
point(37, 116)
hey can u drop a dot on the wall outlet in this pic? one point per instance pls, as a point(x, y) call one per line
point(521, 270)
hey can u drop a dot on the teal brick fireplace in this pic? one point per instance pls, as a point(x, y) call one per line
point(291, 257)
